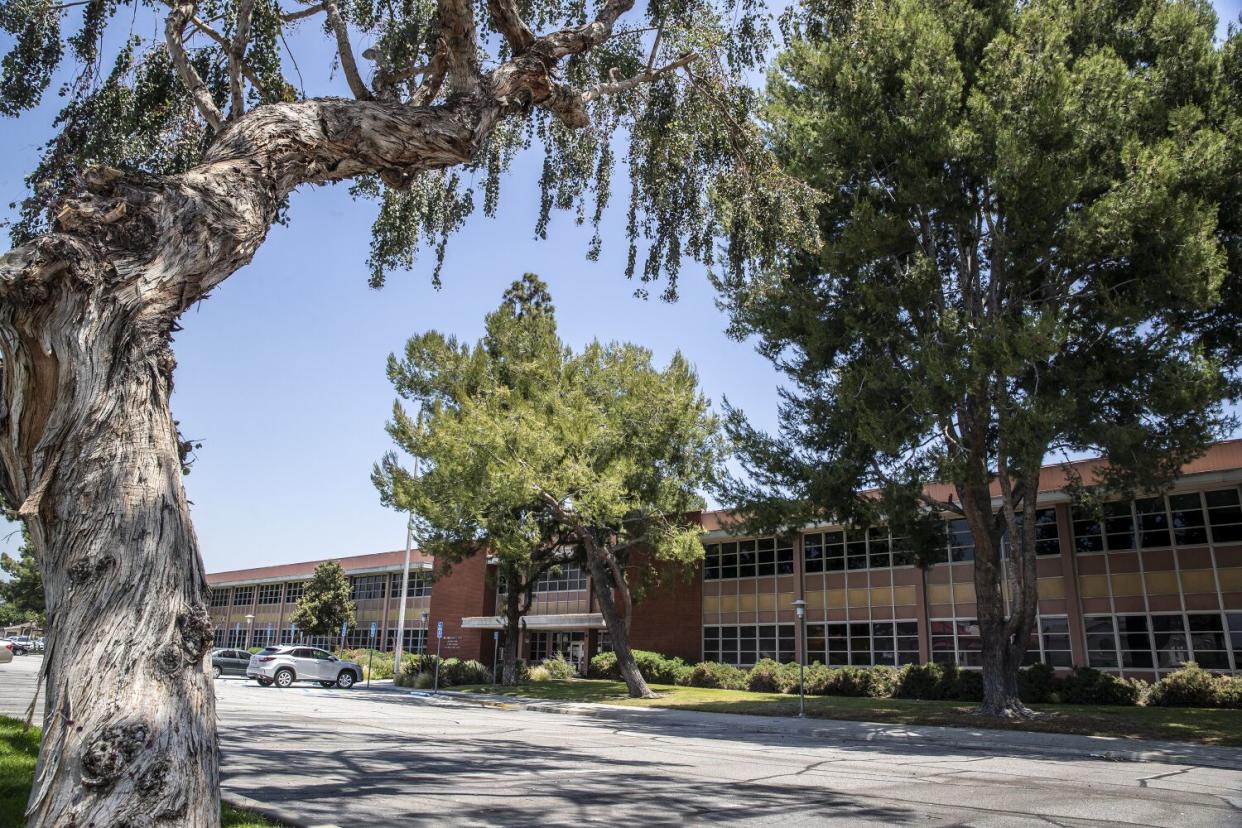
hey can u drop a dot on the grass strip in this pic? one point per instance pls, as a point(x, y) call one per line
point(1205, 726)
point(19, 750)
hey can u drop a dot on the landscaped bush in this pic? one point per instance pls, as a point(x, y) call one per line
point(719, 676)
point(603, 666)
point(929, 681)
point(1191, 686)
point(969, 686)
point(455, 672)
point(1086, 685)
point(653, 667)
point(762, 678)
point(1038, 683)
point(1229, 692)
point(539, 673)
point(558, 667)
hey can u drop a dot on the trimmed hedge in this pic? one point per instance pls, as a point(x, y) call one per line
point(1190, 686)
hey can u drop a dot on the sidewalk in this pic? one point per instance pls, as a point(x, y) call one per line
point(982, 740)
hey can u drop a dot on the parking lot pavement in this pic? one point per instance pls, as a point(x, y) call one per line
point(359, 758)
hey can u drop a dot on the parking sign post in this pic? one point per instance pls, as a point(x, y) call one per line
point(495, 653)
point(344, 632)
point(371, 656)
point(435, 687)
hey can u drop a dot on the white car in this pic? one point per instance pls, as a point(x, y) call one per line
point(6, 651)
point(288, 663)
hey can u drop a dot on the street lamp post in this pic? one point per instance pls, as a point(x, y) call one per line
point(800, 609)
point(249, 630)
point(422, 645)
point(405, 590)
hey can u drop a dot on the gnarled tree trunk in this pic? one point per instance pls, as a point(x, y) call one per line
point(513, 629)
point(129, 727)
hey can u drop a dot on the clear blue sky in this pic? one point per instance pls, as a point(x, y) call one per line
point(281, 372)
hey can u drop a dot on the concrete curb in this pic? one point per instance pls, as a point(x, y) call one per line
point(1063, 745)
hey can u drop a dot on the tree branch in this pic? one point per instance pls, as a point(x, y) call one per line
point(236, 52)
point(204, 27)
point(510, 24)
point(614, 87)
point(174, 27)
point(348, 65)
point(457, 31)
point(300, 14)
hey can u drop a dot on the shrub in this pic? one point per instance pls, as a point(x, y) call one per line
point(818, 678)
point(603, 666)
point(1191, 686)
point(559, 668)
point(717, 675)
point(762, 678)
point(540, 673)
point(424, 681)
point(1086, 685)
point(1229, 692)
point(455, 672)
point(787, 677)
point(929, 681)
point(658, 669)
point(654, 667)
point(1037, 683)
point(969, 686)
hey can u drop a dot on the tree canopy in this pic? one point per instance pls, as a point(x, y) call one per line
point(21, 596)
point(662, 94)
point(522, 441)
point(1029, 219)
point(325, 603)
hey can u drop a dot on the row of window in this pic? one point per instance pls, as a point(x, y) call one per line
point(564, 578)
point(1190, 519)
point(851, 549)
point(957, 641)
point(748, 559)
point(364, 587)
point(747, 643)
point(863, 643)
point(1164, 641)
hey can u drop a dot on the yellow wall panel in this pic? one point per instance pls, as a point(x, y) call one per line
point(767, 601)
point(784, 600)
point(815, 600)
point(836, 598)
point(1231, 579)
point(728, 603)
point(1052, 587)
point(746, 603)
point(1162, 583)
point(1093, 586)
point(857, 597)
point(711, 604)
point(1128, 583)
point(1198, 580)
point(939, 594)
point(964, 593)
point(904, 596)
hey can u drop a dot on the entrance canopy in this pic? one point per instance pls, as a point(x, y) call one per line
point(571, 621)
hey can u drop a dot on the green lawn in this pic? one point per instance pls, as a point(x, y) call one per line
point(18, 750)
point(1205, 726)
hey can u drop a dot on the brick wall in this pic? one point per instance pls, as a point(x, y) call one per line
point(668, 619)
point(462, 592)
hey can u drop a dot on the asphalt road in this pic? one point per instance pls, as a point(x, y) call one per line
point(368, 758)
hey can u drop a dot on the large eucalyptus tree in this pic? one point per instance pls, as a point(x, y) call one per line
point(170, 161)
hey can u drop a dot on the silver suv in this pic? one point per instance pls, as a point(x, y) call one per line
point(288, 663)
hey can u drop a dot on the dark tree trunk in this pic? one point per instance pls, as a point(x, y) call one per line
point(602, 577)
point(513, 629)
point(1003, 638)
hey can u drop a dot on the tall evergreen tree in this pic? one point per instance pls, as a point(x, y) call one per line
point(22, 592)
point(325, 603)
point(173, 155)
point(526, 447)
point(1026, 222)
